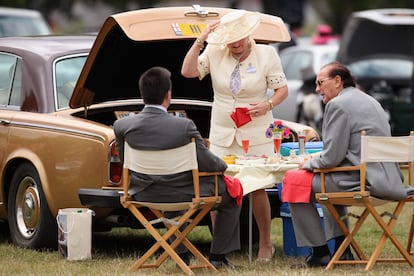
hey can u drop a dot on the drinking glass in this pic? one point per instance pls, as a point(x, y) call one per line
point(277, 142)
point(245, 143)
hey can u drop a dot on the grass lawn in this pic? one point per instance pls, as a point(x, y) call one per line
point(113, 252)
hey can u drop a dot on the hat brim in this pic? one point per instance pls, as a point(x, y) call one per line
point(220, 36)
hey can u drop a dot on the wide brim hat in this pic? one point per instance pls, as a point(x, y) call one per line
point(233, 27)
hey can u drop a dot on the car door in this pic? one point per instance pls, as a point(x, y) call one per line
point(9, 64)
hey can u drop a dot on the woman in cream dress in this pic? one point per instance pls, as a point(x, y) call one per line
point(230, 46)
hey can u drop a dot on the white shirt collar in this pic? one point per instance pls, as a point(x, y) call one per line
point(156, 106)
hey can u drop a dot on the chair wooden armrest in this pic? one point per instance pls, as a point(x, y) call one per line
point(202, 174)
point(334, 169)
point(210, 173)
point(337, 169)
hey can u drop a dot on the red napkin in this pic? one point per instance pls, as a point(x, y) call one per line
point(297, 185)
point(234, 188)
point(240, 117)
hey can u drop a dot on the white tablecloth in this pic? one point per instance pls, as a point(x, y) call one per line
point(259, 176)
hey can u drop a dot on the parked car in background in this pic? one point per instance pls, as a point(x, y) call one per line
point(301, 63)
point(378, 47)
point(59, 99)
point(22, 22)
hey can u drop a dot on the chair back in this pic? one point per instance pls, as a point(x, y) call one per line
point(387, 149)
point(161, 162)
point(398, 149)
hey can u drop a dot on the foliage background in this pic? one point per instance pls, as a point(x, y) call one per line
point(63, 15)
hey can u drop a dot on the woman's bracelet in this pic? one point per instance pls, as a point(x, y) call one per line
point(271, 106)
point(200, 44)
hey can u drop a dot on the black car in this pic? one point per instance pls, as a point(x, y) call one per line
point(378, 47)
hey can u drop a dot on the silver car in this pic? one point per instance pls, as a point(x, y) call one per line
point(22, 22)
point(300, 63)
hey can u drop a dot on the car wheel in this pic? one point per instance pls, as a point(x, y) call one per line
point(30, 222)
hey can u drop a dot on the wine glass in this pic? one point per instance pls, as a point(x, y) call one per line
point(277, 142)
point(245, 143)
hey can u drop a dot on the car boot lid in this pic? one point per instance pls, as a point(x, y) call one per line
point(122, 32)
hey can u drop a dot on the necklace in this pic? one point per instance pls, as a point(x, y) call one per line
point(245, 53)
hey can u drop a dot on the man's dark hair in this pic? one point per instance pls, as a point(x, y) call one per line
point(338, 69)
point(154, 84)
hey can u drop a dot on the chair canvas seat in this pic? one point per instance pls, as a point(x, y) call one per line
point(173, 206)
point(179, 160)
point(164, 206)
point(373, 149)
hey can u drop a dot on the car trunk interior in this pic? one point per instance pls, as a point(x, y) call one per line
point(120, 61)
point(107, 115)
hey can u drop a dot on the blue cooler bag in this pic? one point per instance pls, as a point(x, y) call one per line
point(310, 147)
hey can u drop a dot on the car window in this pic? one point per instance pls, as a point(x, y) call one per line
point(386, 68)
point(295, 63)
point(16, 88)
point(7, 69)
point(67, 71)
point(328, 57)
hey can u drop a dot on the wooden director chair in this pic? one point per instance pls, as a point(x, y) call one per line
point(163, 162)
point(373, 149)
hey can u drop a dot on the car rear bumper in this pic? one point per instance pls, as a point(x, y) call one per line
point(100, 198)
point(103, 198)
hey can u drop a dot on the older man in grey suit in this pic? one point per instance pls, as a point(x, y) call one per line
point(348, 111)
point(155, 129)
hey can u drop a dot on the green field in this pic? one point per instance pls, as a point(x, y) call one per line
point(113, 252)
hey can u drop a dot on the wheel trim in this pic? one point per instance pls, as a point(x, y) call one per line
point(27, 207)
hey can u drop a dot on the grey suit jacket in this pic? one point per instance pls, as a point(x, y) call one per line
point(345, 117)
point(155, 129)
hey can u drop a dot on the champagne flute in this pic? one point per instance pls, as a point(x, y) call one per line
point(277, 142)
point(245, 143)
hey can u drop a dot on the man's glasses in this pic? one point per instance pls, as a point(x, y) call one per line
point(319, 82)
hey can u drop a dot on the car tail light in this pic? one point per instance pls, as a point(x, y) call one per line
point(115, 165)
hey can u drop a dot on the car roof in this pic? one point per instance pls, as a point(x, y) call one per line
point(388, 16)
point(129, 31)
point(47, 46)
point(380, 33)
